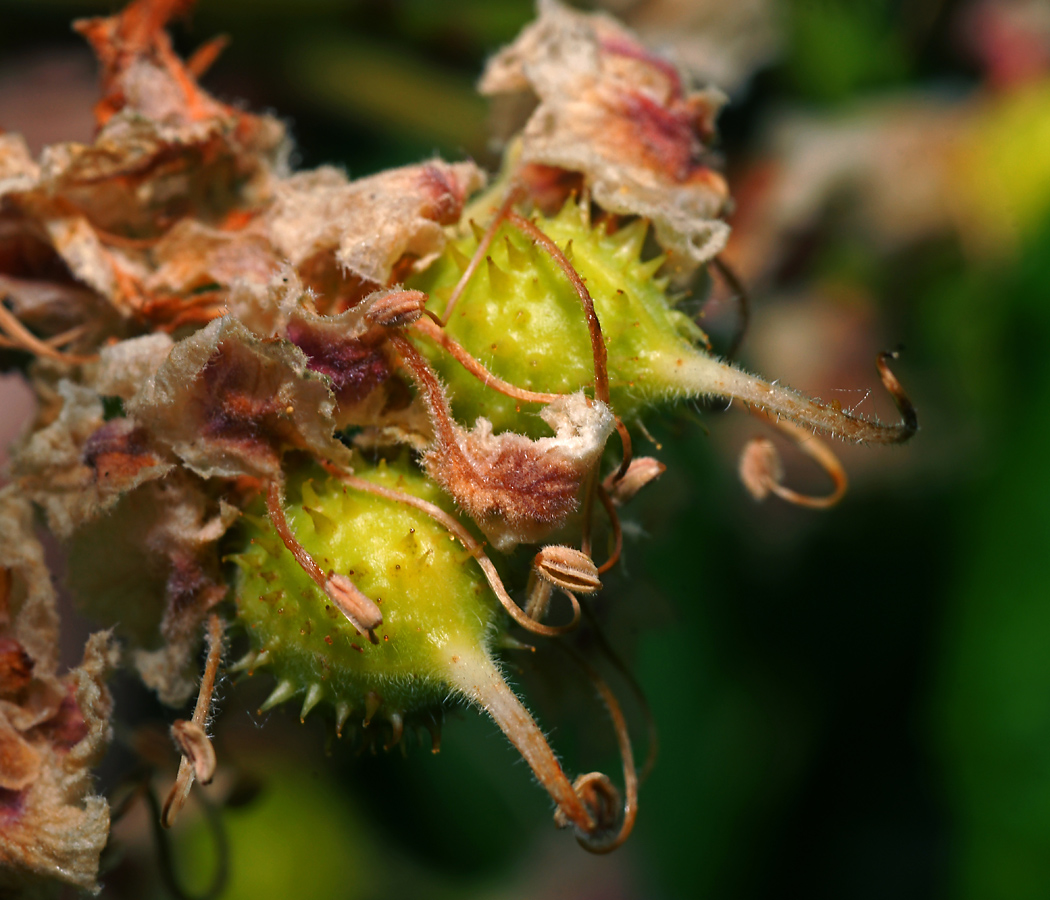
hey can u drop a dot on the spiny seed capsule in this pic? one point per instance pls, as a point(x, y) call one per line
point(383, 530)
point(521, 317)
point(434, 601)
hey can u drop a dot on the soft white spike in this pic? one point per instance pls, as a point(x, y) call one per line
point(285, 690)
point(342, 713)
point(314, 695)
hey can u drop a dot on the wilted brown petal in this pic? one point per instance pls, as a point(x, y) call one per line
point(79, 465)
point(622, 117)
point(367, 226)
point(51, 731)
point(229, 404)
point(520, 490)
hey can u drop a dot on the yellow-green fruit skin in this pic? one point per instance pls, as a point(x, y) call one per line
point(434, 598)
point(523, 320)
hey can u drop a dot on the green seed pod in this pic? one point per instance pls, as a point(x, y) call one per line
point(406, 616)
point(521, 317)
point(434, 600)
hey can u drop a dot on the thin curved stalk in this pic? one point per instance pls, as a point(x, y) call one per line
point(478, 679)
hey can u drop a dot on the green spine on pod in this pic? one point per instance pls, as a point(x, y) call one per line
point(523, 320)
point(435, 601)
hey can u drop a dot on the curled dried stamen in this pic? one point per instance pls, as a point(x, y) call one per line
point(740, 294)
point(643, 702)
point(762, 472)
point(479, 254)
point(180, 791)
point(194, 744)
point(22, 338)
point(601, 361)
point(614, 521)
point(595, 790)
point(472, 547)
point(628, 452)
point(569, 570)
point(641, 471)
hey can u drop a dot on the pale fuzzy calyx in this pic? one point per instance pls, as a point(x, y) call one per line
point(517, 489)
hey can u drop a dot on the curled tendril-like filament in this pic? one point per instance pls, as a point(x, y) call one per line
point(513, 193)
point(762, 473)
point(743, 300)
point(595, 789)
point(476, 368)
point(360, 611)
point(188, 771)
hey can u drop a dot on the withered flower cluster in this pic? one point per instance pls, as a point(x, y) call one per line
point(198, 322)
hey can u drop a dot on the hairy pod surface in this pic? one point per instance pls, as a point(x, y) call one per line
point(521, 317)
point(436, 605)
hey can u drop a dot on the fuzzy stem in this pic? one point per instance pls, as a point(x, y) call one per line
point(697, 374)
point(476, 677)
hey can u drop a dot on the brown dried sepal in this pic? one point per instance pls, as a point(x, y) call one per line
point(79, 466)
point(356, 232)
point(228, 404)
point(518, 490)
point(52, 730)
point(609, 109)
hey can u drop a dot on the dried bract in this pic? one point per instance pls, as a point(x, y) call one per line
point(52, 730)
point(609, 109)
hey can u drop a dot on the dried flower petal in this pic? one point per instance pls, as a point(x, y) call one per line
point(364, 227)
point(228, 404)
point(79, 465)
point(51, 731)
point(622, 117)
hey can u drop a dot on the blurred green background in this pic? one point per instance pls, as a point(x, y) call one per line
point(851, 704)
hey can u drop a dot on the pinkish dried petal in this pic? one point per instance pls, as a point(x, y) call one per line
point(229, 404)
point(609, 109)
point(368, 225)
point(516, 489)
point(59, 466)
